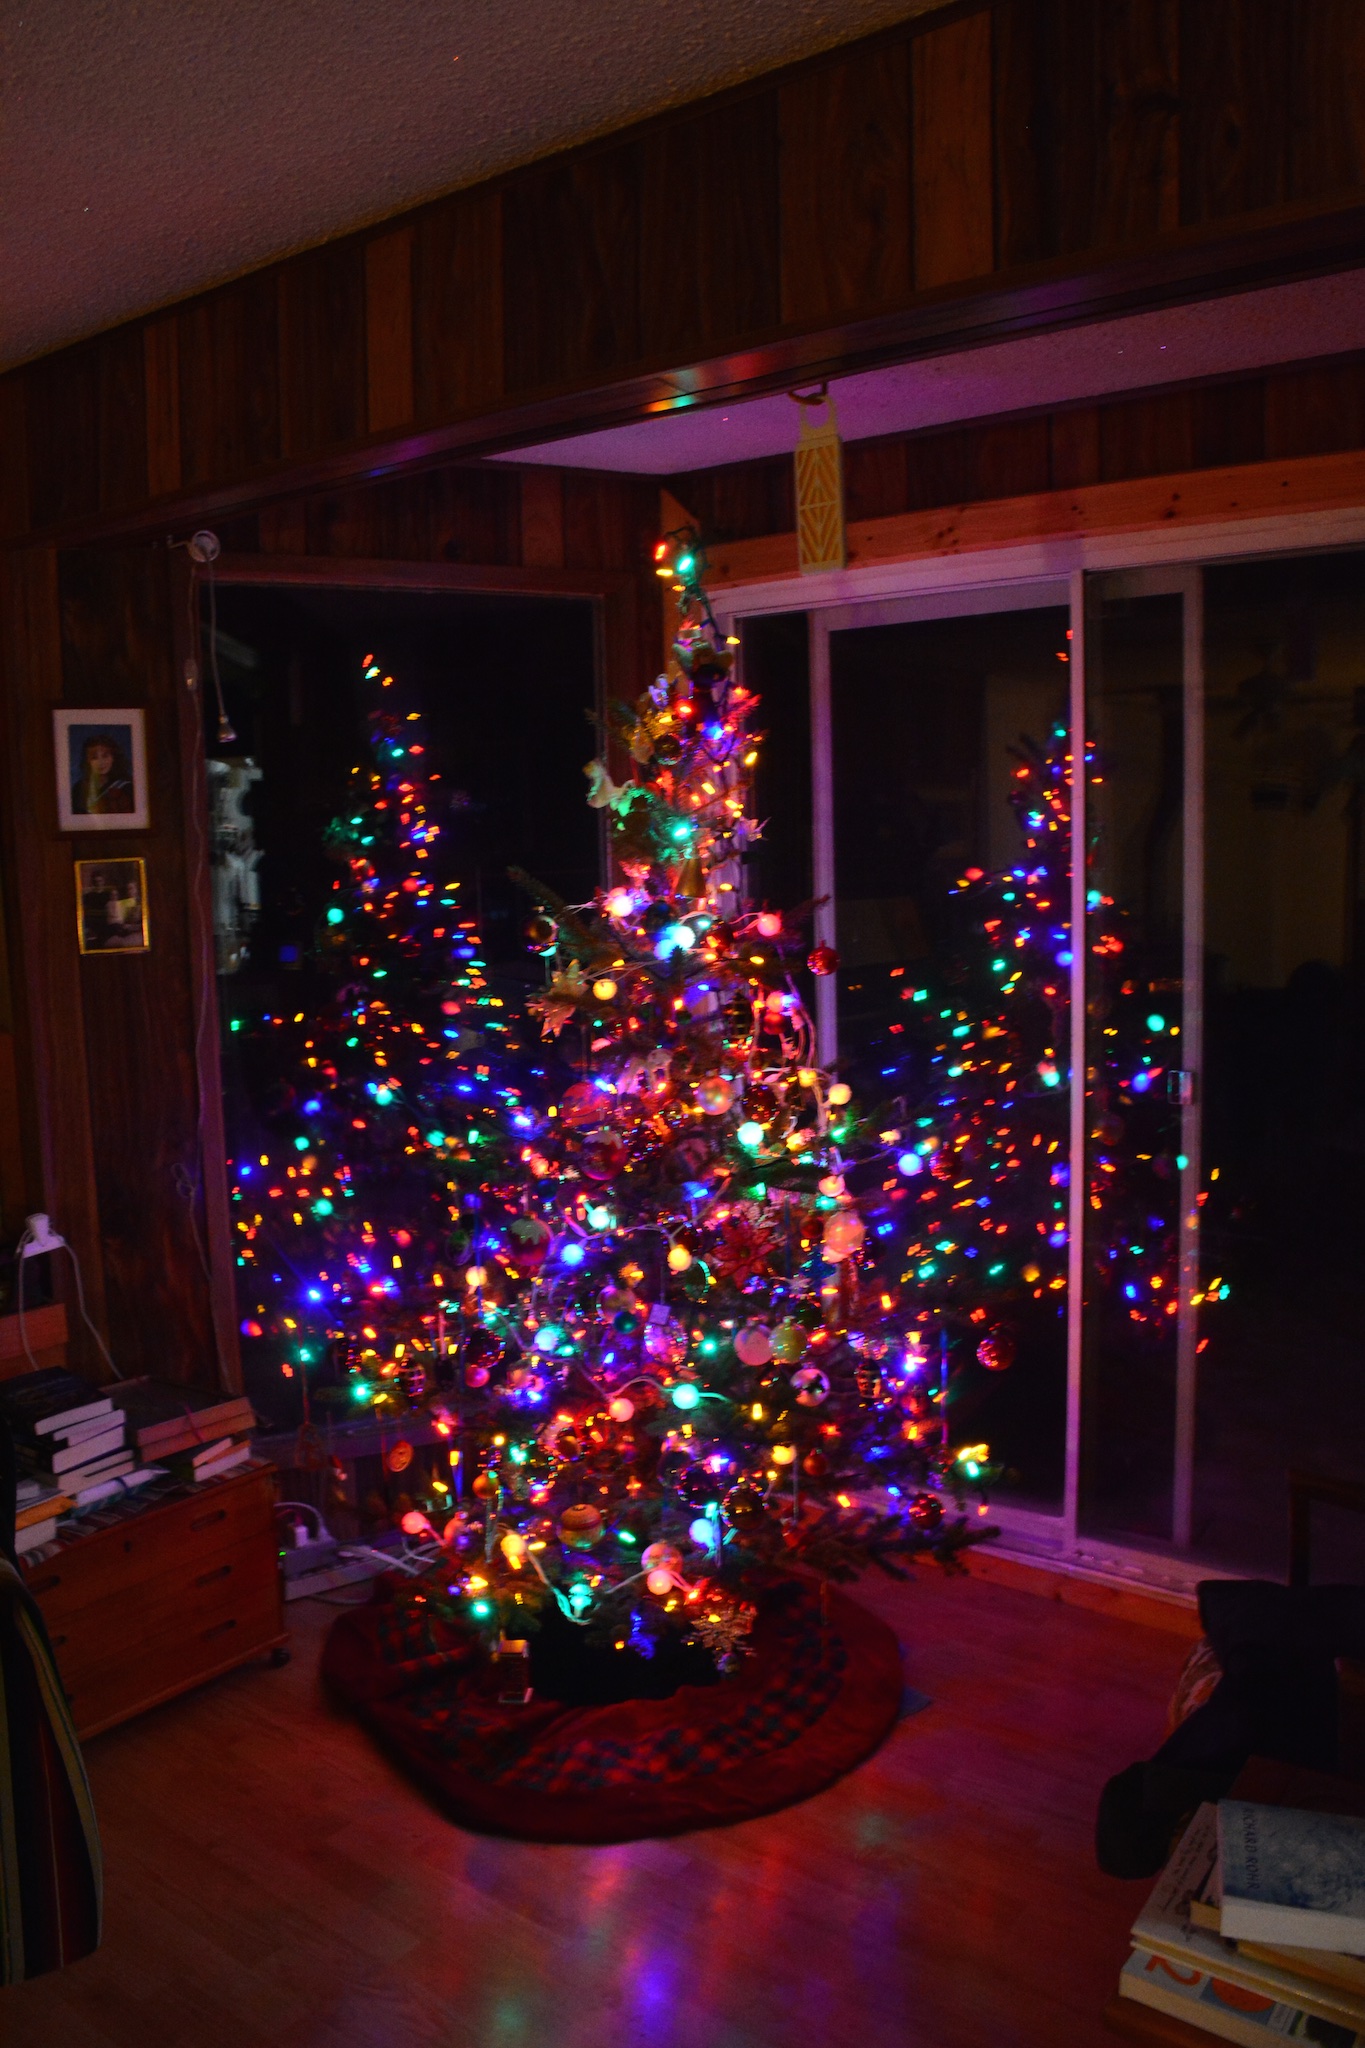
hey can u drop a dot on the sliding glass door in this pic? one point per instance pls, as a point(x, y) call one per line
point(1282, 1357)
point(926, 713)
point(1193, 1321)
point(1141, 1001)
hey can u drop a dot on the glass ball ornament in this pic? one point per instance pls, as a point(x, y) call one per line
point(839, 1095)
point(542, 934)
point(661, 1557)
point(602, 1157)
point(815, 1465)
point(745, 1504)
point(716, 1094)
point(783, 1454)
point(996, 1351)
point(581, 1106)
point(621, 1408)
point(529, 1242)
point(476, 1374)
point(753, 1344)
point(769, 924)
point(699, 1487)
point(823, 960)
point(486, 1486)
point(843, 1235)
point(789, 1343)
point(665, 1340)
point(926, 1511)
point(580, 1526)
point(604, 988)
point(812, 1386)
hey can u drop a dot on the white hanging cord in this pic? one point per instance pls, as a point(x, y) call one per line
point(47, 1240)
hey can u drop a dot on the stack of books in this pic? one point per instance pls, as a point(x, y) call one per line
point(70, 1439)
point(41, 1505)
point(194, 1435)
point(1256, 1928)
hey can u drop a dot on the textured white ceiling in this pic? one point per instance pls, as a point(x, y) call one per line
point(150, 148)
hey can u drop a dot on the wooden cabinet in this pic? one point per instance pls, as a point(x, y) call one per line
point(162, 1600)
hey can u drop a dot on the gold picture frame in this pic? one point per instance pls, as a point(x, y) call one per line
point(111, 905)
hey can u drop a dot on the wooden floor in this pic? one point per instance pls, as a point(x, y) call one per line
point(271, 1880)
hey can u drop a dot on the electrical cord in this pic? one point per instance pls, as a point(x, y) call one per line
point(29, 1237)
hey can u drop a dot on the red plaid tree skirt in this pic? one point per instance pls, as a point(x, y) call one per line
point(816, 1697)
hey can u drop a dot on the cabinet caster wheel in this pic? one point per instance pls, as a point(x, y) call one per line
point(279, 1657)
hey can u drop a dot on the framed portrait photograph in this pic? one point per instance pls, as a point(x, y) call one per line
point(111, 906)
point(101, 770)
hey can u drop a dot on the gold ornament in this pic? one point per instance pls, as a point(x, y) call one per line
point(580, 1526)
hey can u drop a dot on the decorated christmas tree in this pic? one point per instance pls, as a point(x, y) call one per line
point(671, 1372)
point(376, 1105)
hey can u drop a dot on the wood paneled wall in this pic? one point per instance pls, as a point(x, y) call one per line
point(962, 155)
point(109, 1041)
point(1269, 417)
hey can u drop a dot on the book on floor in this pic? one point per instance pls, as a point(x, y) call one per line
point(1292, 1877)
point(1320, 1965)
point(34, 1536)
point(1218, 2006)
point(1173, 1923)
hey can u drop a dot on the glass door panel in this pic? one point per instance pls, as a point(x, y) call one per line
point(1137, 1090)
point(1283, 1325)
point(929, 723)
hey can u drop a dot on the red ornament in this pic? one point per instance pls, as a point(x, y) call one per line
point(926, 1511)
point(581, 1106)
point(824, 960)
point(996, 1349)
point(602, 1157)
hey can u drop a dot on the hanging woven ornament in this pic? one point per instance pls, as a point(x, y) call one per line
point(821, 539)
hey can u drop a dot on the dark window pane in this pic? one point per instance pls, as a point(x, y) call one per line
point(1281, 1381)
point(925, 718)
